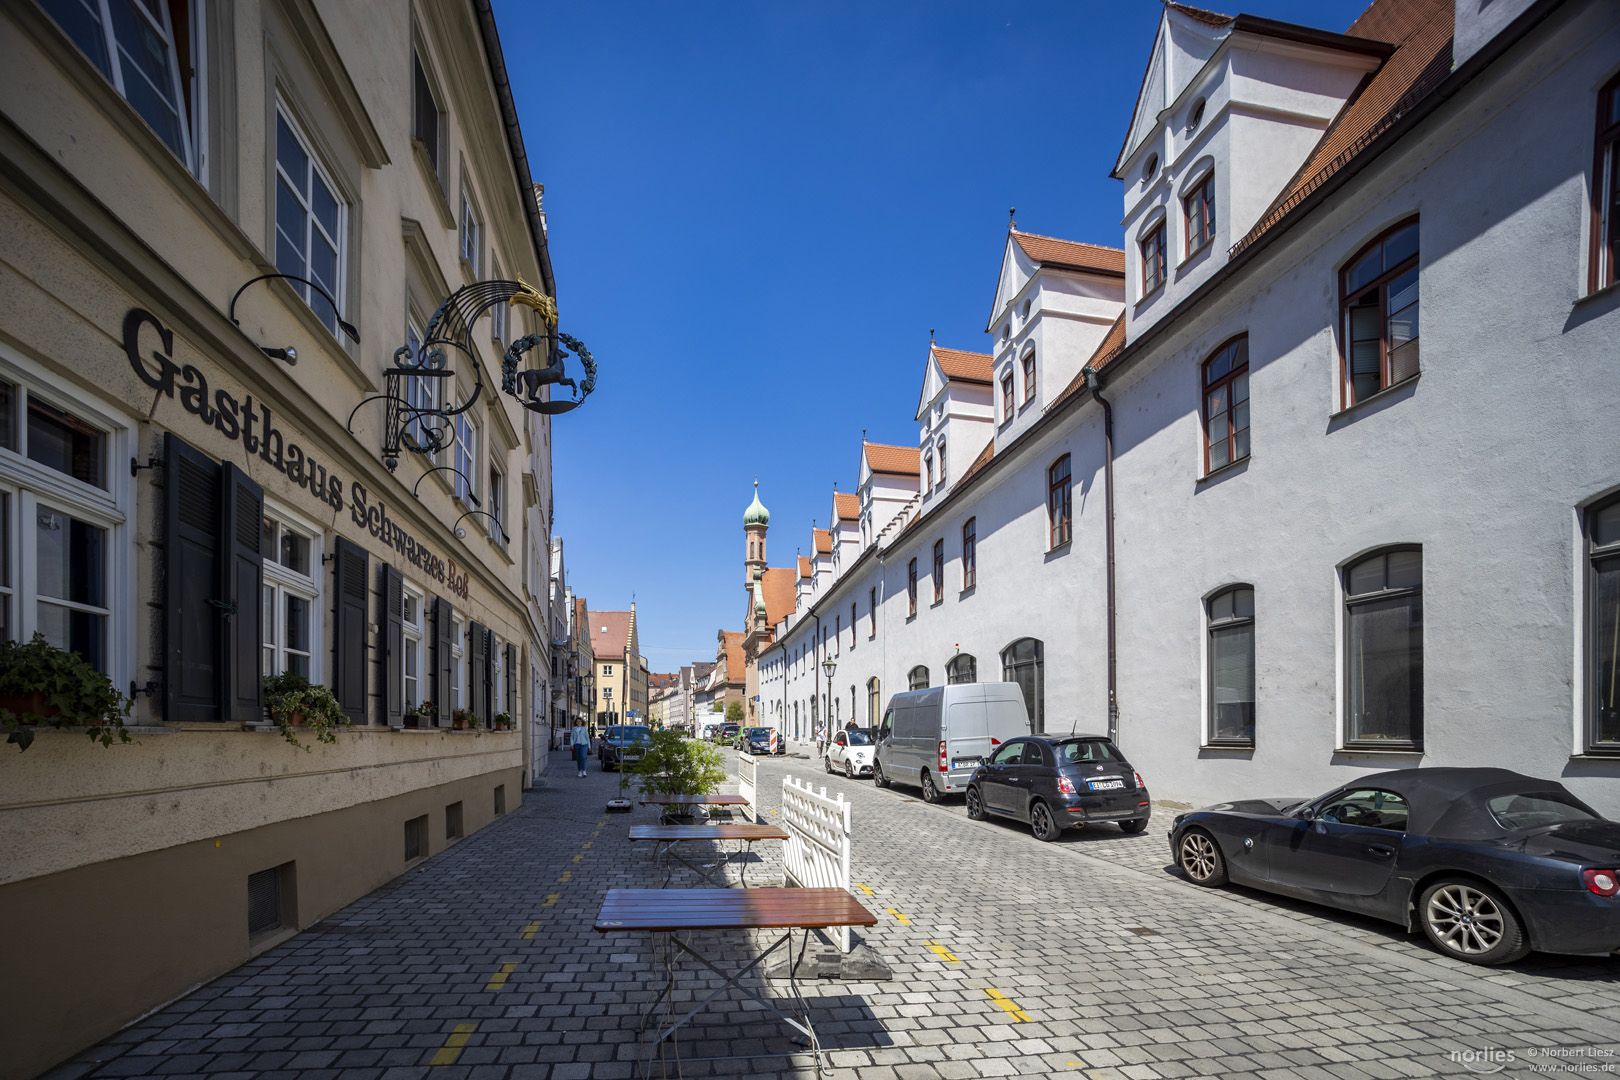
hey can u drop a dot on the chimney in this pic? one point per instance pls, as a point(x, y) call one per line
point(540, 205)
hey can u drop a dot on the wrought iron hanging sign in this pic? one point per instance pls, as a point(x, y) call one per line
point(417, 389)
point(525, 384)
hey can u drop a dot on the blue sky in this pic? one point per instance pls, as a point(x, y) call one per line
point(757, 211)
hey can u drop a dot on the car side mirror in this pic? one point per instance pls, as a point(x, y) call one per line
point(1305, 813)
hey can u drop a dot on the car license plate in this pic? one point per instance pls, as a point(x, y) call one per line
point(967, 762)
point(1106, 785)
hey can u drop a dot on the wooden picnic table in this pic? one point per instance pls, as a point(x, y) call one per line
point(670, 802)
point(678, 911)
point(667, 837)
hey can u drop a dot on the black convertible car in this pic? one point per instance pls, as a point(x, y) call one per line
point(1490, 863)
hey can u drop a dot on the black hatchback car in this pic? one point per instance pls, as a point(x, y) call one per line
point(1055, 782)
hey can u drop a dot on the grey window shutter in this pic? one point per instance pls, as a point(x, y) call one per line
point(478, 670)
point(193, 616)
point(444, 643)
point(511, 682)
point(391, 657)
point(349, 638)
point(241, 529)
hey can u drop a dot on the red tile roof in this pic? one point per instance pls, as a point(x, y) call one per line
point(779, 584)
point(1208, 18)
point(823, 539)
point(731, 641)
point(1071, 254)
point(1421, 31)
point(979, 463)
point(804, 566)
point(847, 505)
point(610, 633)
point(901, 460)
point(965, 366)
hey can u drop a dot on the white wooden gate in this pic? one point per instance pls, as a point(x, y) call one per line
point(745, 781)
point(816, 855)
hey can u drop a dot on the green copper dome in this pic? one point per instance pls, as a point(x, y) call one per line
point(756, 514)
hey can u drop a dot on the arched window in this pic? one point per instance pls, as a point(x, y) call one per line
point(1153, 267)
point(917, 678)
point(1384, 643)
point(1029, 375)
point(911, 587)
point(1231, 667)
point(1379, 294)
point(961, 668)
point(1024, 662)
point(874, 701)
point(1058, 502)
point(1226, 405)
point(1198, 213)
point(939, 570)
point(1603, 542)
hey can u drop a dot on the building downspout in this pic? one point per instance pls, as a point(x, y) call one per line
point(815, 662)
point(1094, 385)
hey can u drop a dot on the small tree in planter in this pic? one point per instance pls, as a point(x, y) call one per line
point(41, 684)
point(294, 701)
point(675, 765)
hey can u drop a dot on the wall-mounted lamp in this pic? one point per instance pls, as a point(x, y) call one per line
point(288, 354)
point(461, 534)
point(346, 327)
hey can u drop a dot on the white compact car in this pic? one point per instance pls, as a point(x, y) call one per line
point(850, 753)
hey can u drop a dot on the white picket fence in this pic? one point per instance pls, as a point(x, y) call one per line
point(816, 855)
point(745, 780)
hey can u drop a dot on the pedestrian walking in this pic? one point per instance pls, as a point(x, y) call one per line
point(582, 746)
point(821, 739)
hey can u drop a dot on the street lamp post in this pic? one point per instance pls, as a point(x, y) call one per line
point(829, 665)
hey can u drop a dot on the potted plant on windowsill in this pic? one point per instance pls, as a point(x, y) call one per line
point(465, 720)
point(422, 715)
point(503, 721)
point(41, 684)
point(296, 702)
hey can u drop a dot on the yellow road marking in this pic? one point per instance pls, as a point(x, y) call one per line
point(566, 874)
point(528, 931)
point(864, 889)
point(551, 899)
point(1008, 1005)
point(587, 843)
point(577, 858)
point(498, 980)
point(905, 920)
point(943, 953)
point(601, 823)
point(452, 1046)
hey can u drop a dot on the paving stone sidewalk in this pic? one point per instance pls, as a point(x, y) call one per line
point(1078, 958)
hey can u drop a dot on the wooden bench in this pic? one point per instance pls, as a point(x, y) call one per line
point(667, 838)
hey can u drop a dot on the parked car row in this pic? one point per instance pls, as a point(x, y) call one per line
point(1489, 864)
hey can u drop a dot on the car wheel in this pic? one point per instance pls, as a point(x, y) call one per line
point(1132, 826)
point(849, 774)
point(1041, 823)
point(975, 805)
point(1201, 860)
point(878, 779)
point(930, 792)
point(827, 761)
point(1470, 921)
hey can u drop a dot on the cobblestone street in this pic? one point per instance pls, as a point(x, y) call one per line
point(1084, 957)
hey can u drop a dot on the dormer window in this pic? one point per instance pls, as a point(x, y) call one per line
point(1150, 168)
point(942, 463)
point(928, 471)
point(1196, 116)
point(1199, 206)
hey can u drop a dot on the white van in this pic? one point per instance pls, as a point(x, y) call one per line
point(936, 738)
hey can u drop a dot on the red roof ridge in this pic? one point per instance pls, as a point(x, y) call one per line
point(1071, 254)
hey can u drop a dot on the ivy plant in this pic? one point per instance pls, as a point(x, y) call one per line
point(43, 685)
point(292, 699)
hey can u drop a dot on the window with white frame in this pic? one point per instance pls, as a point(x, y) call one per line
point(497, 505)
point(466, 455)
point(291, 589)
point(472, 232)
point(59, 524)
point(458, 662)
point(134, 46)
point(309, 223)
point(497, 314)
point(413, 667)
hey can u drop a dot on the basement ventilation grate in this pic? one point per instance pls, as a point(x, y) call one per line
point(1142, 931)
